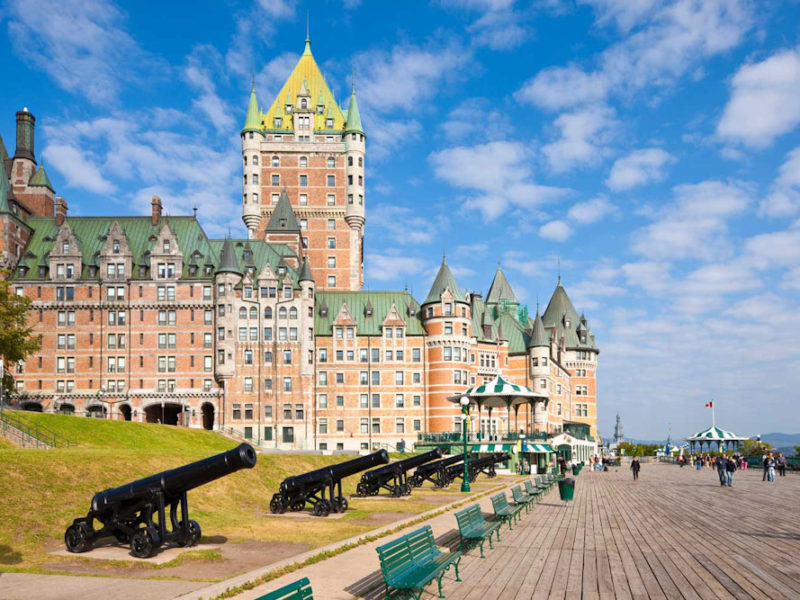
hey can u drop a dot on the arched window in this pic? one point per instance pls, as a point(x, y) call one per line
point(268, 312)
point(276, 162)
point(303, 161)
point(349, 161)
point(293, 313)
point(331, 162)
point(242, 313)
point(303, 103)
point(255, 159)
point(282, 312)
point(253, 313)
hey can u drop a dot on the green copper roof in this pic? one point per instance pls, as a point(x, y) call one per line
point(253, 120)
point(261, 254)
point(444, 279)
point(353, 120)
point(500, 290)
point(5, 189)
point(540, 337)
point(561, 314)
point(227, 259)
point(40, 178)
point(283, 217)
point(356, 304)
point(305, 271)
point(509, 329)
point(3, 154)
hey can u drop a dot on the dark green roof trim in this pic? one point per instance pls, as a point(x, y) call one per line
point(353, 119)
point(305, 271)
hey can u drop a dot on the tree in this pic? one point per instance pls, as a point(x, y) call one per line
point(797, 450)
point(17, 340)
point(753, 447)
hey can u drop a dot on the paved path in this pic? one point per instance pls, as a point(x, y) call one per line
point(675, 534)
point(63, 587)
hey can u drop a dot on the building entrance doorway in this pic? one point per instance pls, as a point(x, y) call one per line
point(208, 415)
point(166, 413)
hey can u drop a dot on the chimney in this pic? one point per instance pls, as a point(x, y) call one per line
point(156, 215)
point(61, 210)
point(25, 126)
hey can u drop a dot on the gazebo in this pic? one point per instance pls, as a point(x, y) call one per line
point(714, 435)
point(500, 393)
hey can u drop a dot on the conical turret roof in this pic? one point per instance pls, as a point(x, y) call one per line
point(227, 258)
point(353, 121)
point(253, 120)
point(500, 289)
point(561, 314)
point(40, 178)
point(283, 217)
point(540, 337)
point(305, 271)
point(444, 280)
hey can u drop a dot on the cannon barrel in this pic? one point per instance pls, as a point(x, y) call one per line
point(401, 466)
point(175, 482)
point(428, 468)
point(337, 471)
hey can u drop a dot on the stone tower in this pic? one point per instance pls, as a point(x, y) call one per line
point(618, 437)
point(306, 146)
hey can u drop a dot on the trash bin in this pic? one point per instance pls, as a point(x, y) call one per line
point(566, 489)
point(575, 470)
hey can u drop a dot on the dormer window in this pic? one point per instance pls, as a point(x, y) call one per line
point(283, 223)
point(567, 322)
point(369, 311)
point(247, 255)
point(65, 248)
point(328, 123)
point(278, 122)
point(166, 246)
point(288, 108)
point(323, 312)
point(320, 109)
point(115, 247)
point(303, 103)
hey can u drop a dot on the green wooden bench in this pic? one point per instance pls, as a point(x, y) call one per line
point(504, 511)
point(474, 529)
point(299, 590)
point(412, 561)
point(543, 484)
point(520, 499)
point(533, 491)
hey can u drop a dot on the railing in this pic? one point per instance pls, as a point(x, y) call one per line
point(37, 436)
point(452, 437)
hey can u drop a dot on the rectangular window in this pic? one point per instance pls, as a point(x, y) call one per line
point(399, 425)
point(322, 401)
point(416, 355)
point(331, 180)
point(399, 401)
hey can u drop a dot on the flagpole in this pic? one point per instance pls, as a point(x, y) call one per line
point(713, 419)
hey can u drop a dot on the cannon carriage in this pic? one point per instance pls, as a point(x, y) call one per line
point(484, 464)
point(435, 472)
point(136, 513)
point(393, 477)
point(322, 488)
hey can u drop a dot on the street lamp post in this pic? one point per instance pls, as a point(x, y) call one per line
point(522, 450)
point(465, 412)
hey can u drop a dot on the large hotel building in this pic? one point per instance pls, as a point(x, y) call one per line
point(271, 337)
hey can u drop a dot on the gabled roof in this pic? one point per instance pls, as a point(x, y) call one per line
point(353, 121)
point(283, 217)
point(40, 178)
point(381, 302)
point(444, 280)
point(500, 290)
point(306, 70)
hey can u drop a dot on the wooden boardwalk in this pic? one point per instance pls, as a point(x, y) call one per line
point(674, 534)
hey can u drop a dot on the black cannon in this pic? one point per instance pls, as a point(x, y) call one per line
point(484, 464)
point(435, 472)
point(311, 487)
point(127, 512)
point(393, 477)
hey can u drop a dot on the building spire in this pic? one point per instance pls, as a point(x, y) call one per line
point(252, 121)
point(307, 50)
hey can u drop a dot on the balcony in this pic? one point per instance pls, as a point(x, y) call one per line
point(475, 438)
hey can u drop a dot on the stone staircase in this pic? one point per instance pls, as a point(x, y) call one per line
point(23, 435)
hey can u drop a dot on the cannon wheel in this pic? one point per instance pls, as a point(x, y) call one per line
point(374, 490)
point(321, 508)
point(361, 490)
point(143, 542)
point(77, 536)
point(415, 480)
point(340, 504)
point(297, 505)
point(122, 537)
point(277, 506)
point(407, 489)
point(191, 535)
point(397, 491)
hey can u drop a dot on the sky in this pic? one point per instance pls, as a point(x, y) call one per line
point(647, 150)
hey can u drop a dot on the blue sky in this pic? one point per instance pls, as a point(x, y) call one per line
point(650, 147)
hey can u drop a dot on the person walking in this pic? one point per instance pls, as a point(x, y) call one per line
point(769, 467)
point(635, 467)
point(730, 469)
point(764, 463)
point(781, 464)
point(719, 463)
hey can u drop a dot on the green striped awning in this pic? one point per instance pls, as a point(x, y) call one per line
point(537, 448)
point(491, 448)
point(498, 386)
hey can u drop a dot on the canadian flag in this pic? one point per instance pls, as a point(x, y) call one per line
point(710, 404)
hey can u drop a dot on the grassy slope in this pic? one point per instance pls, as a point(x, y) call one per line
point(49, 488)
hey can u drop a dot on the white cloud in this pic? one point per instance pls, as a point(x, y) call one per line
point(676, 37)
point(273, 75)
point(469, 119)
point(255, 29)
point(204, 68)
point(499, 26)
point(77, 169)
point(769, 250)
point(405, 225)
point(590, 211)
point(784, 197)
point(558, 231)
point(498, 173)
point(625, 13)
point(81, 44)
point(765, 102)
point(278, 9)
point(584, 135)
point(638, 168)
point(385, 267)
point(695, 224)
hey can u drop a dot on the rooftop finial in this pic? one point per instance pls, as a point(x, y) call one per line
point(307, 49)
point(559, 270)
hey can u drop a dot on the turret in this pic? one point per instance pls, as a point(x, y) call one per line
point(355, 150)
point(252, 135)
point(228, 274)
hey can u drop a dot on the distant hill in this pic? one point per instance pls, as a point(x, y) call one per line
point(782, 442)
